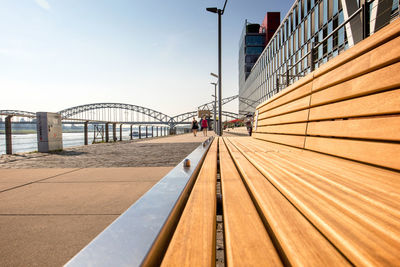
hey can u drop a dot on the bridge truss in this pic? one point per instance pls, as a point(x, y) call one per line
point(123, 114)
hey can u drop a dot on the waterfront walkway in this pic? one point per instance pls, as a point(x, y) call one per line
point(52, 205)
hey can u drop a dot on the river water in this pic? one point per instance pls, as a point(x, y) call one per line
point(28, 142)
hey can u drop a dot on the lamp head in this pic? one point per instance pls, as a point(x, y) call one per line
point(212, 9)
point(213, 74)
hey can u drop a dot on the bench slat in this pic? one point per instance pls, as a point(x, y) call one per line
point(300, 241)
point(298, 116)
point(246, 240)
point(295, 105)
point(369, 83)
point(383, 55)
point(290, 90)
point(361, 243)
point(377, 153)
point(193, 242)
point(372, 105)
point(380, 128)
point(381, 184)
point(293, 128)
point(290, 96)
point(292, 140)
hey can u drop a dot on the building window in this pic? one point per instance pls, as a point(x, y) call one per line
point(254, 50)
point(255, 39)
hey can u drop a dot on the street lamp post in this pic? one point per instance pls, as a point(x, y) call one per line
point(215, 106)
point(220, 13)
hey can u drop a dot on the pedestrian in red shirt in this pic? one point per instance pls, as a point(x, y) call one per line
point(204, 125)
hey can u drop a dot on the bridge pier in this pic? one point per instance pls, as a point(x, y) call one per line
point(107, 133)
point(85, 129)
point(140, 132)
point(146, 132)
point(8, 135)
point(120, 132)
point(131, 131)
point(114, 132)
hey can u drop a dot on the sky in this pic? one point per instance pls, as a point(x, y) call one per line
point(56, 54)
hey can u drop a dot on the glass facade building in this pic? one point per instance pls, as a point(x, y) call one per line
point(311, 33)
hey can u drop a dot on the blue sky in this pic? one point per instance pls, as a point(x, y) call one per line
point(56, 54)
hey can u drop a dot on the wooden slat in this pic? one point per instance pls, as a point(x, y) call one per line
point(295, 105)
point(384, 35)
point(292, 95)
point(369, 83)
point(291, 140)
point(383, 55)
point(378, 153)
point(376, 104)
point(293, 128)
point(298, 116)
point(380, 128)
point(300, 241)
point(246, 240)
point(383, 185)
point(288, 90)
point(355, 235)
point(193, 243)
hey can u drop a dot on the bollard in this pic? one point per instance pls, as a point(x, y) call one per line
point(107, 133)
point(114, 132)
point(8, 135)
point(131, 131)
point(120, 132)
point(85, 128)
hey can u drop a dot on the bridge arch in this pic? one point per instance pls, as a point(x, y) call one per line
point(112, 112)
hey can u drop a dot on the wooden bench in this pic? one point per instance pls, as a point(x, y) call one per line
point(318, 183)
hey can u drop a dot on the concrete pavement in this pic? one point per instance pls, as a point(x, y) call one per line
point(47, 215)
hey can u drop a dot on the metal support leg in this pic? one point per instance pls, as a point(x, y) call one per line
point(8, 135)
point(140, 132)
point(152, 131)
point(85, 127)
point(147, 132)
point(120, 132)
point(131, 132)
point(107, 133)
point(115, 132)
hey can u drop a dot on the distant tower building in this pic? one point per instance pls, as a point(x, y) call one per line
point(252, 43)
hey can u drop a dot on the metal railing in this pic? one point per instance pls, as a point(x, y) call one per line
point(156, 131)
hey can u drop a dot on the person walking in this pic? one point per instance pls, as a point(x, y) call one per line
point(204, 125)
point(195, 126)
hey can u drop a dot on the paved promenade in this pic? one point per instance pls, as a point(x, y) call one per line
point(52, 205)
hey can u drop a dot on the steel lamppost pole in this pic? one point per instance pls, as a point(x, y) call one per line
point(220, 13)
point(215, 106)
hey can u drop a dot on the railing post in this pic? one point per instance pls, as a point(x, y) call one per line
point(120, 132)
point(364, 20)
point(146, 132)
point(312, 57)
point(140, 132)
point(114, 132)
point(131, 131)
point(152, 131)
point(107, 133)
point(8, 135)
point(85, 128)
